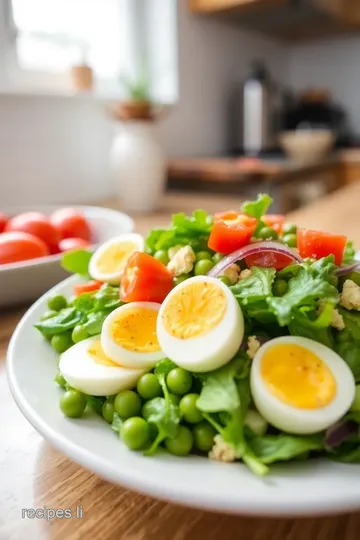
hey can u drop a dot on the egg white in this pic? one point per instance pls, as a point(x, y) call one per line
point(211, 350)
point(113, 277)
point(296, 420)
point(118, 354)
point(81, 371)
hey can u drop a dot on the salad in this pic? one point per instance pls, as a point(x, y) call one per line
point(235, 336)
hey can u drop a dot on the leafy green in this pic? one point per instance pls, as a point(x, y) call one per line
point(307, 323)
point(116, 423)
point(349, 454)
point(107, 297)
point(191, 230)
point(77, 262)
point(305, 288)
point(66, 319)
point(255, 287)
point(165, 415)
point(95, 321)
point(271, 448)
point(350, 352)
point(348, 341)
point(257, 208)
point(349, 254)
point(95, 403)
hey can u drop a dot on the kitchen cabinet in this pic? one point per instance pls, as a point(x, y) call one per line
point(288, 20)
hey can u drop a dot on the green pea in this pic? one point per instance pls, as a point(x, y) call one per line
point(148, 386)
point(79, 333)
point(135, 433)
point(162, 256)
point(356, 403)
point(57, 302)
point(267, 233)
point(280, 287)
point(61, 342)
point(59, 379)
point(179, 381)
point(225, 280)
point(290, 240)
point(203, 256)
point(204, 435)
point(180, 279)
point(182, 443)
point(289, 228)
point(217, 257)
point(48, 315)
point(188, 408)
point(203, 267)
point(73, 403)
point(108, 411)
point(127, 404)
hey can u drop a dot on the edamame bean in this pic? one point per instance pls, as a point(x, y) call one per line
point(127, 404)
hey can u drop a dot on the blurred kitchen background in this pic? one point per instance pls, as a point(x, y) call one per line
point(245, 95)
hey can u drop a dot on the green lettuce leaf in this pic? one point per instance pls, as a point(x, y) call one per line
point(77, 262)
point(257, 208)
point(165, 415)
point(116, 423)
point(349, 254)
point(272, 448)
point(66, 319)
point(348, 341)
point(258, 286)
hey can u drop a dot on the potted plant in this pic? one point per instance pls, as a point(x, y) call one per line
point(138, 162)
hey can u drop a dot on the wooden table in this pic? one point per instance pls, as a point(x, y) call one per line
point(34, 475)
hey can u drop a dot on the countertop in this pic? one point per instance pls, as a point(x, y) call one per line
point(33, 474)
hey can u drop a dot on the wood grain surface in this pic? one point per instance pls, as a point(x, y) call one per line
point(34, 475)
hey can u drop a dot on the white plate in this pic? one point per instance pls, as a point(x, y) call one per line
point(25, 281)
point(308, 488)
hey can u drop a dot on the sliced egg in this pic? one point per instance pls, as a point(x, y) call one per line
point(86, 367)
point(300, 386)
point(128, 335)
point(200, 325)
point(109, 260)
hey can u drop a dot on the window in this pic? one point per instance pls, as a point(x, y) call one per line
point(114, 37)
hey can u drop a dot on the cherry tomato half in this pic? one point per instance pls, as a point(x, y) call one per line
point(89, 286)
point(318, 244)
point(231, 231)
point(275, 221)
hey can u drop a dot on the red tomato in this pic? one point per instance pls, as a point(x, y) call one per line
point(275, 221)
point(19, 246)
point(3, 222)
point(36, 224)
point(71, 223)
point(318, 244)
point(90, 286)
point(269, 260)
point(68, 244)
point(145, 279)
point(231, 231)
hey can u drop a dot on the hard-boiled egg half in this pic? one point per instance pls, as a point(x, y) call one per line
point(200, 325)
point(300, 386)
point(109, 260)
point(85, 367)
point(128, 335)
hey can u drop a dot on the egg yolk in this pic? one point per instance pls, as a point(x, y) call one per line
point(298, 377)
point(115, 257)
point(135, 330)
point(95, 350)
point(194, 310)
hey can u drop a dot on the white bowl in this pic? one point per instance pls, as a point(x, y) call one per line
point(307, 146)
point(25, 281)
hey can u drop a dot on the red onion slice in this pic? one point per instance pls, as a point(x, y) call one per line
point(343, 270)
point(254, 249)
point(338, 433)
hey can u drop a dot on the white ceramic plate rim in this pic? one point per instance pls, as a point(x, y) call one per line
point(48, 209)
point(192, 481)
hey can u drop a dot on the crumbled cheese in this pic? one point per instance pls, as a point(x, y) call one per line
point(350, 296)
point(337, 320)
point(183, 261)
point(222, 451)
point(173, 250)
point(253, 345)
point(232, 273)
point(245, 273)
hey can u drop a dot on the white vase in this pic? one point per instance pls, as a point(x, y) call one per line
point(138, 166)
